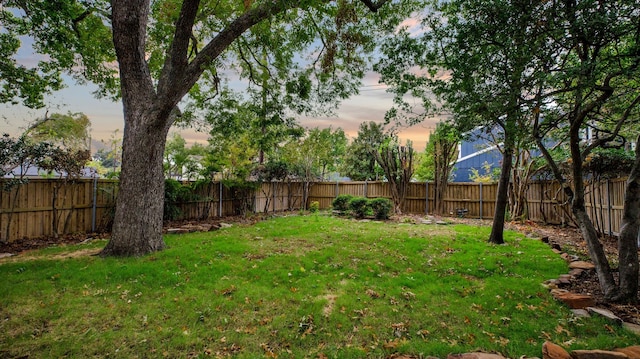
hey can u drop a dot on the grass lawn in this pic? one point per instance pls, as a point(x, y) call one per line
point(296, 287)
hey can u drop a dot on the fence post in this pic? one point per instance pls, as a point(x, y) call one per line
point(94, 203)
point(480, 200)
point(337, 189)
point(609, 205)
point(274, 185)
point(365, 188)
point(220, 200)
point(426, 198)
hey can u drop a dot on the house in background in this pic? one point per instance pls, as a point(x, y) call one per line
point(478, 151)
point(35, 172)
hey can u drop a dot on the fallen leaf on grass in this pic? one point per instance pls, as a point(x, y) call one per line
point(268, 352)
point(607, 327)
point(560, 329)
point(228, 291)
point(393, 344)
point(399, 329)
point(408, 295)
point(372, 293)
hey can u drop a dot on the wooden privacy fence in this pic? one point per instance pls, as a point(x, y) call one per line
point(44, 207)
point(546, 202)
point(214, 199)
point(41, 206)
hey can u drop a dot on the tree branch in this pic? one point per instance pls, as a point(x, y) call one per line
point(623, 119)
point(177, 59)
point(374, 7)
point(129, 38)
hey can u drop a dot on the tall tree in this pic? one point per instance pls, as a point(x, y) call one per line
point(175, 156)
point(594, 85)
point(70, 131)
point(480, 59)
point(442, 148)
point(360, 161)
point(396, 161)
point(163, 48)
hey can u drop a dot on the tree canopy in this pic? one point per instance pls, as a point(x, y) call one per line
point(533, 69)
point(152, 54)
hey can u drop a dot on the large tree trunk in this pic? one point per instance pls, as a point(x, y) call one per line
point(502, 200)
point(628, 239)
point(137, 226)
point(148, 105)
point(589, 233)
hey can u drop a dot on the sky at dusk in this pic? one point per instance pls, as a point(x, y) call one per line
point(107, 117)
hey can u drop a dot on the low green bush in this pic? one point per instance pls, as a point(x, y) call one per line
point(314, 207)
point(381, 207)
point(174, 193)
point(341, 203)
point(359, 207)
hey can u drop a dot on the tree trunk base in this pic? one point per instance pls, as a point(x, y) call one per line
point(143, 247)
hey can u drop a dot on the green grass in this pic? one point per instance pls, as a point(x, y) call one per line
point(296, 287)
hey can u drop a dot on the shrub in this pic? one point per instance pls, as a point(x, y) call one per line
point(359, 206)
point(341, 203)
point(174, 193)
point(381, 207)
point(314, 207)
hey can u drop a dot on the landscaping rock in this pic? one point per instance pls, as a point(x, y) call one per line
point(442, 223)
point(225, 225)
point(576, 272)
point(200, 227)
point(607, 314)
point(573, 300)
point(5, 255)
point(554, 351)
point(597, 354)
point(564, 279)
point(632, 352)
point(552, 281)
point(475, 356)
point(550, 286)
point(580, 313)
point(581, 265)
point(634, 328)
point(569, 257)
point(177, 230)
